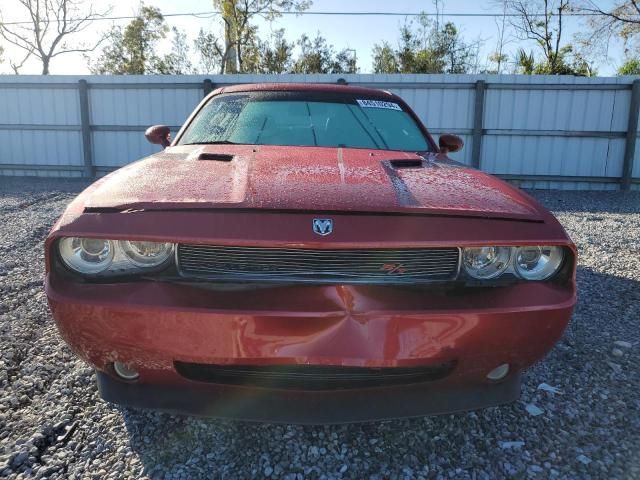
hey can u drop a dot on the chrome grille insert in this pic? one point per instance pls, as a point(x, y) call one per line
point(375, 266)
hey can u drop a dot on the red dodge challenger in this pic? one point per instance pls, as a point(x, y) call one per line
point(308, 254)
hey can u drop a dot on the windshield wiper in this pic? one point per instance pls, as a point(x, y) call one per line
point(213, 142)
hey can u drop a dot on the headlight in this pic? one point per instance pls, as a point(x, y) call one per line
point(86, 255)
point(538, 263)
point(147, 254)
point(101, 257)
point(486, 262)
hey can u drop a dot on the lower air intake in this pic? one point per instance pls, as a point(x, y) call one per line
point(311, 377)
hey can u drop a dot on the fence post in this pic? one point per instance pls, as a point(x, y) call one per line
point(478, 118)
point(207, 87)
point(85, 122)
point(632, 135)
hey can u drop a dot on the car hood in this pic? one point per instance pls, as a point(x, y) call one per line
point(309, 179)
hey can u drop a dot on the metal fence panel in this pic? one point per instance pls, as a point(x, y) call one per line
point(29, 106)
point(537, 131)
point(118, 106)
point(115, 149)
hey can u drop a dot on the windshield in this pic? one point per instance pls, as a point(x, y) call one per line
point(305, 119)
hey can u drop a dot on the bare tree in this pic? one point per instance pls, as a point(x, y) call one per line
point(498, 56)
point(621, 20)
point(16, 66)
point(50, 24)
point(626, 12)
point(540, 21)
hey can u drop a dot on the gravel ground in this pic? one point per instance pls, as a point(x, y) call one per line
point(53, 425)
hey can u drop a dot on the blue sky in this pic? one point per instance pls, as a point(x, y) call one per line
point(356, 32)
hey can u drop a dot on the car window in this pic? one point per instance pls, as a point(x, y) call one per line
point(279, 120)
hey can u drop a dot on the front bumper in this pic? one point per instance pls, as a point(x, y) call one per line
point(150, 326)
point(301, 407)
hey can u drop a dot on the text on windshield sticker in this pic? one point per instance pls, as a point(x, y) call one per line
point(378, 104)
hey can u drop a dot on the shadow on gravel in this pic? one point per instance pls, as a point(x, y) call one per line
point(25, 185)
point(589, 429)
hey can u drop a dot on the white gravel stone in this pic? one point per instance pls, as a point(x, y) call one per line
point(615, 367)
point(511, 444)
point(534, 410)
point(584, 459)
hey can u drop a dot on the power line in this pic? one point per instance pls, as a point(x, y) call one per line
point(210, 14)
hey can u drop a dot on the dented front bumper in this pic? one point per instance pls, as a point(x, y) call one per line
point(151, 325)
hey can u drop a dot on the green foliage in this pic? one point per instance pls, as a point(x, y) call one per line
point(499, 59)
point(267, 9)
point(276, 55)
point(541, 22)
point(428, 47)
point(240, 33)
point(424, 46)
point(345, 61)
point(526, 62)
point(630, 67)
point(565, 63)
point(132, 50)
point(317, 56)
point(384, 59)
point(210, 51)
point(177, 61)
point(273, 56)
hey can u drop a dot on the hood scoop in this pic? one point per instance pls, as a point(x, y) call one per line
point(406, 163)
point(216, 157)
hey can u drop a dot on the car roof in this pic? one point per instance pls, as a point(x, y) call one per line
point(307, 87)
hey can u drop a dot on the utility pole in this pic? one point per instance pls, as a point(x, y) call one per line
point(355, 59)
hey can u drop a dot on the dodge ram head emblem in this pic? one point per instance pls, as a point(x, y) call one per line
point(322, 226)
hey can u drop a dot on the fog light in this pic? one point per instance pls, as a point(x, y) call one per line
point(125, 372)
point(499, 372)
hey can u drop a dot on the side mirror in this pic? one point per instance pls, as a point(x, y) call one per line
point(450, 143)
point(159, 135)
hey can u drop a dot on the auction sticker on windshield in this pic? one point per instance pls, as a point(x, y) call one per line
point(378, 104)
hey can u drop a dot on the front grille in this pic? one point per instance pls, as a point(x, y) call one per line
point(373, 266)
point(311, 377)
